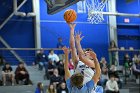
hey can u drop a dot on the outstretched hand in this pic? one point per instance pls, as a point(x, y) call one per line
point(78, 36)
point(65, 50)
point(72, 25)
point(93, 54)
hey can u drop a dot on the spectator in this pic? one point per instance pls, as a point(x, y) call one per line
point(62, 88)
point(21, 74)
point(127, 61)
point(55, 78)
point(135, 58)
point(39, 88)
point(104, 76)
point(71, 67)
point(60, 45)
point(7, 73)
point(50, 70)
point(111, 85)
point(61, 68)
point(54, 57)
point(113, 71)
point(136, 69)
point(41, 59)
point(113, 53)
point(51, 89)
point(103, 63)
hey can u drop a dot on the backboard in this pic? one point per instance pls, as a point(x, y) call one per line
point(54, 6)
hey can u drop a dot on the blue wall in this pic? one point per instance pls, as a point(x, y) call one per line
point(54, 26)
point(128, 33)
point(18, 32)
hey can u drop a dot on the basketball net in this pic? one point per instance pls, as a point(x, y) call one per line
point(95, 9)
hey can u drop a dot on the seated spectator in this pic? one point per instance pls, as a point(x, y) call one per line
point(104, 76)
point(21, 74)
point(135, 58)
point(113, 71)
point(41, 59)
point(103, 63)
point(39, 88)
point(136, 69)
point(111, 85)
point(50, 70)
point(54, 57)
point(51, 89)
point(71, 67)
point(62, 88)
point(55, 78)
point(61, 68)
point(7, 73)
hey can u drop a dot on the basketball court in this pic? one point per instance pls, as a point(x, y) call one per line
point(26, 26)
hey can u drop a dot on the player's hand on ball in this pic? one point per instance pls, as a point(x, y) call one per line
point(78, 36)
point(72, 25)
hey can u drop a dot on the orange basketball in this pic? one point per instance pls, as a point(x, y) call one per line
point(70, 15)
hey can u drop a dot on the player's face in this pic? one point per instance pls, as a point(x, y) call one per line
point(87, 54)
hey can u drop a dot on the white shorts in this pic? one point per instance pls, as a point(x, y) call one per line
point(86, 70)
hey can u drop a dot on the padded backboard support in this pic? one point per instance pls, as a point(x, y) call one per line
point(54, 8)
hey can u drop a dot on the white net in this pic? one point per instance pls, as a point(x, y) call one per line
point(95, 9)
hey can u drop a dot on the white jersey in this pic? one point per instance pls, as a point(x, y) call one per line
point(86, 70)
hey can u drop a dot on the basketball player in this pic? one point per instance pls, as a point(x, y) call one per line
point(75, 82)
point(83, 62)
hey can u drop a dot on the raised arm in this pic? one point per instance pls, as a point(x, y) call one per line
point(66, 68)
point(78, 43)
point(97, 68)
point(81, 53)
point(72, 44)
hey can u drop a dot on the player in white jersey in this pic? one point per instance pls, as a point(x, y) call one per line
point(83, 61)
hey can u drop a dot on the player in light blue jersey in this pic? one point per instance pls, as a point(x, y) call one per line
point(75, 82)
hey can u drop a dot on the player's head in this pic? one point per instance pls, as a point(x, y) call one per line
point(77, 80)
point(86, 51)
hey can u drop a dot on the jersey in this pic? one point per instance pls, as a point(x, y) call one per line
point(97, 89)
point(85, 70)
point(86, 88)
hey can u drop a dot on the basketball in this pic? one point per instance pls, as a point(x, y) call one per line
point(70, 15)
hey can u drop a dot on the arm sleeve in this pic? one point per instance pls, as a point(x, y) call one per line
point(68, 84)
point(90, 84)
point(116, 86)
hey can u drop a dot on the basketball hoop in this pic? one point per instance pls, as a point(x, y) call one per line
point(95, 10)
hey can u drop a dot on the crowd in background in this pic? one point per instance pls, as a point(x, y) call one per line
point(53, 64)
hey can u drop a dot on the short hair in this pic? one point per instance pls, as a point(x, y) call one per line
point(7, 64)
point(77, 79)
point(21, 62)
point(112, 75)
point(88, 49)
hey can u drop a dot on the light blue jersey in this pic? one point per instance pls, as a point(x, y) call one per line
point(87, 88)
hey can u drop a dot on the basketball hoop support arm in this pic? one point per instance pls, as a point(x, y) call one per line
point(118, 14)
